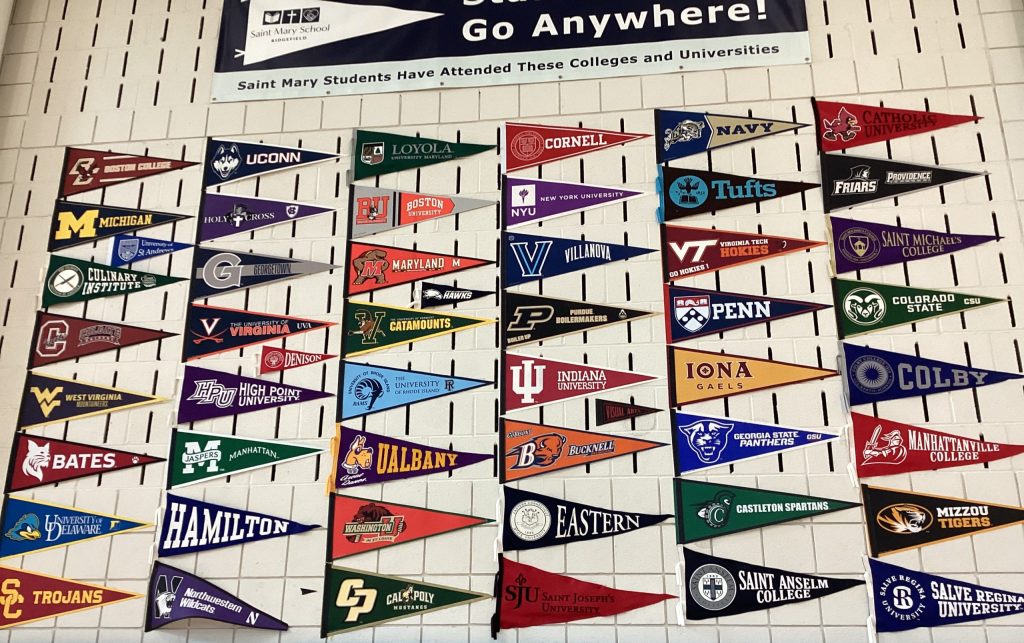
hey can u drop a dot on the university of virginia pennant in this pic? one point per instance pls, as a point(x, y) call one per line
point(29, 596)
point(213, 330)
point(196, 456)
point(73, 280)
point(530, 319)
point(682, 134)
point(530, 145)
point(376, 327)
point(372, 267)
point(528, 201)
point(274, 360)
point(76, 223)
point(215, 272)
point(717, 587)
point(86, 170)
point(228, 161)
point(358, 525)
point(533, 381)
point(687, 192)
point(29, 526)
point(696, 312)
point(532, 449)
point(366, 389)
point(127, 249)
point(383, 152)
point(848, 181)
point(223, 215)
point(60, 337)
point(207, 394)
point(434, 294)
point(52, 400)
point(530, 257)
point(608, 411)
point(688, 252)
point(374, 210)
point(845, 125)
point(38, 461)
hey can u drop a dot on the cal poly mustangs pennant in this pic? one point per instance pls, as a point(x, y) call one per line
point(532, 520)
point(383, 152)
point(688, 252)
point(196, 456)
point(704, 442)
point(73, 280)
point(434, 294)
point(366, 388)
point(687, 192)
point(127, 249)
point(213, 330)
point(528, 201)
point(274, 360)
point(228, 161)
point(374, 210)
point(531, 145)
point(864, 307)
point(29, 526)
point(372, 267)
point(207, 394)
point(38, 461)
point(60, 337)
point(52, 400)
point(531, 257)
point(681, 134)
point(875, 375)
point(34, 597)
point(375, 327)
point(696, 312)
point(845, 125)
point(76, 223)
point(717, 587)
point(608, 411)
point(848, 181)
point(533, 381)
point(223, 215)
point(529, 319)
point(86, 170)
point(215, 272)
point(175, 594)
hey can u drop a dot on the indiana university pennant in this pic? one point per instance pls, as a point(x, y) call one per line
point(688, 252)
point(196, 456)
point(534, 381)
point(73, 280)
point(223, 215)
point(60, 337)
point(379, 153)
point(275, 360)
point(529, 319)
point(682, 134)
point(687, 192)
point(29, 526)
point(53, 400)
point(76, 223)
point(531, 145)
point(213, 330)
point(127, 249)
point(228, 161)
point(434, 294)
point(372, 267)
point(609, 411)
point(38, 461)
point(532, 449)
point(696, 312)
point(373, 210)
point(845, 125)
point(376, 327)
point(207, 394)
point(366, 389)
point(215, 272)
point(526, 201)
point(30, 597)
point(529, 257)
point(848, 181)
point(86, 170)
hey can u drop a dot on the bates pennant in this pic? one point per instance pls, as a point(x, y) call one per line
point(59, 337)
point(53, 400)
point(527, 201)
point(74, 224)
point(38, 461)
point(215, 272)
point(196, 456)
point(29, 597)
point(529, 319)
point(127, 249)
point(372, 267)
point(374, 210)
point(379, 153)
point(533, 381)
point(688, 252)
point(365, 389)
point(696, 312)
point(86, 170)
point(223, 215)
point(530, 145)
point(213, 330)
point(375, 327)
point(228, 161)
point(275, 360)
point(845, 125)
point(682, 134)
point(30, 526)
point(608, 411)
point(73, 280)
point(848, 181)
point(433, 295)
point(207, 394)
point(529, 257)
point(688, 192)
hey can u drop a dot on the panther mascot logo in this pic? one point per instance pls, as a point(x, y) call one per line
point(707, 439)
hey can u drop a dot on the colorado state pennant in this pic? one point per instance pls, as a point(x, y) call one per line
point(215, 272)
point(848, 181)
point(30, 597)
point(275, 360)
point(376, 327)
point(684, 193)
point(127, 249)
point(196, 456)
point(529, 319)
point(526, 201)
point(608, 411)
point(845, 125)
point(76, 223)
point(60, 337)
point(379, 153)
point(366, 389)
point(688, 252)
point(206, 394)
point(682, 134)
point(373, 210)
point(86, 170)
point(213, 330)
point(531, 145)
point(534, 381)
point(38, 461)
point(223, 215)
point(228, 161)
point(434, 294)
point(29, 526)
point(696, 312)
point(52, 400)
point(530, 257)
point(373, 267)
point(73, 280)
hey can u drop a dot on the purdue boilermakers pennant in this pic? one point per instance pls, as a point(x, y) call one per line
point(530, 257)
point(696, 312)
point(688, 252)
point(126, 249)
point(223, 215)
point(682, 134)
point(531, 145)
point(53, 400)
point(685, 192)
point(38, 461)
point(373, 267)
point(376, 327)
point(373, 210)
point(527, 201)
point(215, 272)
point(434, 294)
point(76, 223)
point(30, 526)
point(275, 360)
point(366, 388)
point(608, 411)
point(213, 330)
point(228, 161)
point(60, 337)
point(73, 280)
point(848, 181)
point(30, 597)
point(206, 394)
point(196, 456)
point(529, 319)
point(379, 153)
point(534, 381)
point(86, 170)
point(845, 125)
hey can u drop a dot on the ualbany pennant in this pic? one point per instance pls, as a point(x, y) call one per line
point(682, 134)
point(223, 215)
point(216, 272)
point(530, 257)
point(27, 596)
point(379, 153)
point(52, 400)
point(533, 381)
point(373, 267)
point(608, 411)
point(376, 327)
point(77, 223)
point(86, 170)
point(228, 161)
point(30, 526)
point(74, 280)
point(529, 319)
point(842, 125)
point(366, 389)
point(373, 210)
point(688, 252)
point(687, 192)
point(38, 461)
point(696, 312)
point(213, 330)
point(275, 360)
point(526, 201)
point(532, 145)
point(196, 456)
point(207, 394)
point(60, 337)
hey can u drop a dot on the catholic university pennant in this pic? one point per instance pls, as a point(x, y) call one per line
point(29, 596)
point(376, 327)
point(696, 312)
point(372, 267)
point(196, 456)
point(366, 389)
point(60, 337)
point(383, 152)
point(845, 125)
point(86, 170)
point(38, 461)
point(848, 181)
point(529, 319)
point(374, 210)
point(687, 192)
point(274, 360)
point(530, 257)
point(76, 223)
point(53, 400)
point(688, 252)
point(527, 201)
point(681, 134)
point(213, 330)
point(223, 215)
point(609, 411)
point(531, 145)
point(126, 249)
point(228, 161)
point(207, 394)
point(533, 381)
point(215, 272)
point(434, 294)
point(73, 280)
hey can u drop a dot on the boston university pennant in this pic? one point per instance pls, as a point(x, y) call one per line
point(685, 133)
point(196, 456)
point(532, 449)
point(433, 295)
point(530, 257)
point(366, 389)
point(207, 394)
point(845, 125)
point(534, 381)
point(30, 597)
point(527, 201)
point(696, 312)
point(275, 360)
point(38, 461)
point(228, 161)
point(531, 145)
point(383, 152)
point(848, 181)
point(688, 192)
point(127, 249)
point(76, 223)
point(376, 327)
point(53, 400)
point(373, 210)
point(215, 272)
point(86, 170)
point(688, 252)
point(73, 280)
point(529, 319)
point(29, 526)
point(223, 215)
point(213, 330)
point(59, 337)
point(372, 267)
point(608, 411)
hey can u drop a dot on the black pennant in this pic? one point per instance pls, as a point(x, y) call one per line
point(529, 319)
point(434, 294)
point(609, 411)
point(687, 192)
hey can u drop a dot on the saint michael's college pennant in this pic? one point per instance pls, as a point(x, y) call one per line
point(380, 153)
point(696, 312)
point(196, 456)
point(60, 337)
point(685, 193)
point(29, 526)
point(373, 267)
point(38, 461)
point(527, 201)
point(30, 597)
point(376, 327)
point(52, 400)
point(86, 170)
point(848, 181)
point(207, 394)
point(534, 381)
point(845, 125)
point(532, 145)
point(213, 330)
point(688, 252)
point(223, 215)
point(529, 319)
point(76, 223)
point(74, 280)
point(229, 161)
point(374, 210)
point(365, 389)
point(682, 134)
point(531, 257)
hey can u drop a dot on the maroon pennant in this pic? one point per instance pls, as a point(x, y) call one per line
point(86, 170)
point(38, 461)
point(61, 337)
point(609, 411)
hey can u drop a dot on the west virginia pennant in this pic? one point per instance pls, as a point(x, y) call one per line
point(529, 319)
point(533, 381)
point(434, 294)
point(372, 267)
point(228, 161)
point(196, 456)
point(696, 312)
point(59, 337)
point(848, 181)
point(379, 153)
point(213, 330)
point(127, 249)
point(52, 400)
point(530, 145)
point(30, 526)
point(374, 210)
point(682, 134)
point(275, 360)
point(30, 597)
point(86, 170)
point(688, 252)
point(366, 389)
point(223, 215)
point(207, 394)
point(76, 223)
point(376, 327)
point(608, 411)
point(73, 280)
point(688, 192)
point(215, 272)
point(845, 125)
point(531, 257)
point(38, 461)
point(527, 201)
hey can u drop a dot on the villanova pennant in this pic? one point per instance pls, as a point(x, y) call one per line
point(688, 252)
point(532, 318)
point(76, 223)
point(376, 327)
point(529, 257)
point(73, 280)
point(215, 272)
point(213, 330)
point(845, 125)
point(848, 181)
point(53, 400)
point(383, 152)
point(434, 294)
point(696, 312)
point(372, 267)
point(38, 461)
point(534, 381)
point(228, 161)
point(275, 360)
point(682, 134)
point(374, 210)
point(223, 215)
point(608, 411)
point(526, 201)
point(86, 170)
point(688, 192)
point(128, 249)
point(532, 145)
point(207, 394)
point(59, 337)
point(196, 456)
point(366, 389)
point(31, 597)
point(30, 526)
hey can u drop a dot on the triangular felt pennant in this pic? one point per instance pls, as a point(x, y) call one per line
point(375, 327)
point(529, 319)
point(274, 360)
point(354, 599)
point(530, 145)
point(373, 210)
point(682, 134)
point(73, 280)
point(698, 376)
point(366, 388)
point(196, 456)
point(696, 312)
point(529, 596)
point(127, 249)
point(86, 170)
point(530, 449)
point(29, 526)
point(215, 272)
point(717, 587)
point(532, 520)
point(534, 381)
point(228, 161)
point(366, 458)
point(175, 594)
point(213, 330)
point(53, 400)
point(207, 394)
point(527, 201)
point(705, 442)
point(33, 597)
point(373, 267)
point(74, 224)
point(848, 181)
point(862, 244)
point(875, 375)
point(433, 294)
point(864, 307)
point(845, 125)
point(688, 252)
point(223, 215)
point(60, 337)
point(38, 461)
point(379, 153)
point(608, 411)
point(688, 192)
point(530, 257)
point(358, 525)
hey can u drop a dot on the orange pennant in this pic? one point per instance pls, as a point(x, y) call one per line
point(27, 596)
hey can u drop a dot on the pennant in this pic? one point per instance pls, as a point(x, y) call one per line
point(354, 599)
point(696, 312)
point(688, 252)
point(86, 170)
point(434, 294)
point(718, 587)
point(685, 133)
point(527, 201)
point(213, 330)
point(607, 411)
point(531, 145)
point(533, 318)
point(74, 224)
point(532, 449)
point(848, 181)
point(534, 381)
point(30, 526)
point(704, 442)
point(128, 249)
point(864, 307)
point(874, 375)
point(373, 267)
point(216, 272)
point(53, 400)
point(530, 257)
point(376, 327)
point(229, 161)
point(683, 193)
point(60, 337)
point(175, 594)
point(38, 461)
point(383, 152)
point(845, 125)
point(532, 520)
point(30, 597)
point(73, 280)
point(861, 244)
point(366, 458)
point(366, 388)
point(698, 376)
point(196, 456)
point(905, 599)
point(223, 215)
point(529, 596)
point(207, 394)
point(374, 210)
point(275, 360)
point(358, 525)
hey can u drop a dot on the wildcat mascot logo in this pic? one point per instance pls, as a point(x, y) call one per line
point(707, 439)
point(36, 459)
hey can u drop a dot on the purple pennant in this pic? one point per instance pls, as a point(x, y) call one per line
point(226, 214)
point(207, 394)
point(532, 200)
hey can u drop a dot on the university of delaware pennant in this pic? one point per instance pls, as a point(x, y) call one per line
point(376, 327)
point(609, 411)
point(53, 400)
point(127, 249)
point(228, 161)
point(531, 145)
point(223, 215)
point(687, 192)
point(215, 272)
point(379, 153)
point(848, 181)
point(38, 461)
point(275, 360)
point(529, 319)
point(373, 267)
point(433, 295)
point(196, 456)
point(29, 526)
point(534, 381)
point(696, 312)
point(30, 597)
point(526, 201)
point(530, 257)
point(366, 388)
point(86, 170)
point(845, 125)
point(74, 280)
point(688, 252)
point(373, 210)
point(60, 337)
point(682, 134)
point(76, 223)
point(530, 449)
point(213, 330)
point(207, 394)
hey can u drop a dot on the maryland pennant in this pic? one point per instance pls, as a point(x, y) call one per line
point(60, 337)
point(215, 272)
point(196, 456)
point(529, 319)
point(531, 145)
point(845, 125)
point(128, 249)
point(434, 294)
point(848, 181)
point(374, 210)
point(688, 252)
point(86, 170)
point(213, 330)
point(685, 193)
point(73, 280)
point(696, 312)
point(228, 161)
point(530, 257)
point(366, 389)
point(372, 267)
point(53, 400)
point(30, 526)
point(38, 461)
point(223, 215)
point(376, 327)
point(30, 597)
point(275, 360)
point(207, 394)
point(682, 134)
point(527, 201)
point(383, 152)
point(534, 381)
point(74, 224)
point(608, 411)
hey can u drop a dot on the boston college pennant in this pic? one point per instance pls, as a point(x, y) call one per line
point(433, 295)
point(53, 400)
point(229, 161)
point(530, 257)
point(531, 145)
point(533, 318)
point(223, 215)
point(366, 389)
point(59, 337)
point(196, 456)
point(216, 272)
point(534, 381)
point(213, 330)
point(696, 312)
point(685, 133)
point(30, 597)
point(376, 327)
point(527, 201)
point(207, 394)
point(38, 461)
point(845, 125)
point(688, 252)
point(275, 360)
point(373, 210)
point(126, 249)
point(372, 267)
point(30, 526)
point(379, 153)
point(73, 280)
point(848, 181)
point(688, 192)
point(76, 223)
point(608, 411)
point(86, 170)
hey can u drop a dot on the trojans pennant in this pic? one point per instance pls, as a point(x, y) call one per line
point(530, 257)
point(687, 192)
point(76, 223)
point(223, 215)
point(530, 145)
point(696, 312)
point(526, 201)
point(228, 161)
point(845, 125)
point(379, 153)
point(30, 597)
point(275, 360)
point(373, 210)
point(216, 272)
point(196, 456)
point(608, 411)
point(53, 400)
point(434, 294)
point(127, 249)
point(207, 394)
point(73, 280)
point(848, 181)
point(529, 319)
point(30, 526)
point(38, 461)
point(366, 388)
point(688, 252)
point(213, 330)
point(681, 134)
point(86, 170)
point(533, 381)
point(376, 327)
point(373, 267)
point(60, 337)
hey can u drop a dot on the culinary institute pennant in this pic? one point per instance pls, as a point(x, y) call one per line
point(275, 360)
point(533, 381)
point(213, 330)
point(60, 337)
point(383, 152)
point(688, 192)
point(30, 597)
point(688, 252)
point(529, 319)
point(196, 456)
point(372, 267)
point(531, 145)
point(608, 411)
point(206, 394)
point(73, 280)
point(215, 272)
point(127, 249)
point(38, 461)
point(86, 170)
point(527, 201)
point(434, 294)
point(223, 215)
point(52, 400)
point(376, 327)
point(228, 161)
point(29, 526)
point(845, 125)
point(848, 181)
point(374, 210)
point(696, 312)
point(682, 134)
point(531, 257)
point(366, 389)
point(76, 223)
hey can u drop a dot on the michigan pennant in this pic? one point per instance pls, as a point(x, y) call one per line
point(228, 161)
point(73, 280)
point(433, 294)
point(372, 267)
point(216, 272)
point(529, 319)
point(213, 330)
point(383, 152)
point(374, 210)
point(682, 134)
point(530, 145)
point(223, 215)
point(366, 389)
point(688, 252)
point(53, 400)
point(275, 360)
point(128, 249)
point(30, 597)
point(196, 456)
point(696, 312)
point(38, 461)
point(688, 192)
point(375, 327)
point(29, 526)
point(207, 394)
point(848, 181)
point(530, 257)
point(76, 223)
point(61, 337)
point(845, 125)
point(86, 170)
point(527, 201)
point(608, 411)
point(533, 381)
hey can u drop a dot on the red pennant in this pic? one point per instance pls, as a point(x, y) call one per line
point(609, 411)
point(845, 125)
point(86, 170)
point(530, 145)
point(372, 267)
point(27, 596)
point(273, 360)
point(60, 337)
point(533, 381)
point(693, 251)
point(38, 461)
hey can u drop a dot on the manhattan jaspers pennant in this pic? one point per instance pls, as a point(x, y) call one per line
point(215, 272)
point(86, 170)
point(687, 192)
point(383, 152)
point(528, 201)
point(38, 461)
point(372, 267)
point(213, 330)
point(862, 244)
point(696, 312)
point(223, 215)
point(529, 319)
point(196, 456)
point(126, 249)
point(373, 210)
point(848, 181)
point(60, 337)
point(29, 526)
point(274, 360)
point(366, 389)
point(73, 280)
point(531, 257)
point(682, 134)
point(688, 252)
point(531, 145)
point(228, 161)
point(434, 294)
point(608, 411)
point(37, 596)
point(76, 223)
point(52, 400)
point(533, 381)
point(845, 125)
point(207, 394)
point(375, 327)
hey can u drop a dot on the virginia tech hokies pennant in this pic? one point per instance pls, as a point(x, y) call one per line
point(688, 252)
point(534, 381)
point(842, 125)
point(530, 145)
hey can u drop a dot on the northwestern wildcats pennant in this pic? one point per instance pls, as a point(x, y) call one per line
point(434, 294)
point(366, 389)
point(527, 201)
point(845, 125)
point(688, 192)
point(688, 252)
point(533, 381)
point(29, 526)
point(696, 312)
point(53, 400)
point(38, 461)
point(530, 257)
point(76, 223)
point(127, 249)
point(372, 267)
point(228, 161)
point(28, 596)
point(216, 272)
point(848, 181)
point(529, 319)
point(196, 456)
point(60, 337)
point(608, 411)
point(375, 210)
point(86, 170)
point(275, 360)
point(375, 327)
point(213, 330)
point(383, 152)
point(223, 215)
point(682, 134)
point(531, 145)
point(207, 394)
point(73, 280)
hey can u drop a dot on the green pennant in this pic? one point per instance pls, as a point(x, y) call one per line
point(863, 307)
point(705, 510)
point(374, 327)
point(354, 599)
point(72, 280)
point(197, 456)
point(383, 153)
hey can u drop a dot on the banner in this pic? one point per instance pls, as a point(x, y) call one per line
point(223, 215)
point(31, 526)
point(434, 294)
point(608, 411)
point(358, 525)
point(532, 145)
point(128, 249)
point(216, 272)
point(213, 330)
point(74, 224)
point(196, 456)
point(57, 338)
point(534, 381)
point(845, 125)
point(685, 192)
point(532, 520)
point(373, 267)
point(529, 319)
point(527, 201)
point(696, 312)
point(688, 252)
point(73, 280)
point(53, 400)
point(228, 161)
point(380, 153)
point(874, 375)
point(206, 394)
point(376, 327)
point(30, 597)
point(86, 170)
point(848, 181)
point(686, 133)
point(373, 210)
point(703, 442)
point(530, 257)
point(37, 461)
point(364, 388)
point(275, 360)
point(532, 449)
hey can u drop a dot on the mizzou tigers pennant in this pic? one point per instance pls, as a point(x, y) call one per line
point(373, 210)
point(526, 201)
point(275, 360)
point(845, 125)
point(74, 224)
point(534, 381)
point(223, 215)
point(38, 461)
point(366, 388)
point(196, 456)
point(531, 145)
point(71, 281)
point(206, 394)
point(608, 411)
point(57, 338)
point(228, 161)
point(682, 134)
point(686, 192)
point(53, 400)
point(528, 319)
point(30, 526)
point(696, 312)
point(213, 330)
point(380, 153)
point(376, 327)
point(688, 252)
point(29, 597)
point(86, 170)
point(373, 267)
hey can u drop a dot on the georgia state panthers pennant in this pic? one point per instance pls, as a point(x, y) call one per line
point(228, 161)
point(29, 526)
point(609, 411)
point(73, 280)
point(531, 145)
point(367, 388)
point(38, 461)
point(527, 201)
point(529, 319)
point(127, 249)
point(74, 224)
point(682, 134)
point(376, 327)
point(57, 338)
point(383, 152)
point(373, 267)
point(684, 193)
point(534, 381)
point(216, 272)
point(374, 210)
point(696, 312)
point(275, 360)
point(434, 294)
point(86, 170)
point(196, 456)
point(213, 330)
point(223, 215)
point(530, 257)
point(53, 400)
point(38, 596)
point(206, 394)
point(688, 252)
point(845, 125)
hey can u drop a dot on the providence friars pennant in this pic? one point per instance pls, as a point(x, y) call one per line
point(848, 181)
point(379, 153)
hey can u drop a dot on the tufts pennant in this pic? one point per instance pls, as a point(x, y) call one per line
point(376, 327)
point(380, 153)
point(86, 170)
point(535, 381)
point(365, 388)
point(53, 400)
point(373, 210)
point(680, 134)
point(275, 360)
point(696, 312)
point(216, 272)
point(74, 224)
point(127, 249)
point(223, 215)
point(30, 526)
point(207, 394)
point(845, 125)
point(38, 461)
point(527, 201)
point(373, 267)
point(531, 145)
point(34, 597)
point(57, 338)
point(73, 280)
point(213, 330)
point(684, 193)
point(848, 181)
point(196, 456)
point(529, 319)
point(228, 161)
point(433, 295)
point(608, 411)
point(688, 252)
point(530, 257)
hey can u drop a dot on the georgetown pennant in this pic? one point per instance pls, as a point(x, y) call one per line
point(73, 280)
point(532, 520)
point(696, 312)
point(682, 134)
point(207, 394)
point(53, 400)
point(688, 252)
point(433, 294)
point(74, 224)
point(688, 192)
point(845, 125)
point(374, 210)
point(196, 456)
point(379, 153)
point(128, 249)
point(213, 330)
point(215, 272)
point(531, 257)
point(534, 381)
point(529, 319)
point(366, 389)
point(223, 215)
point(372, 267)
point(608, 411)
point(59, 337)
point(532, 145)
point(875, 375)
point(37, 461)
point(30, 526)
point(275, 360)
point(229, 161)
point(86, 170)
point(527, 201)
point(376, 327)
point(29, 597)
point(848, 181)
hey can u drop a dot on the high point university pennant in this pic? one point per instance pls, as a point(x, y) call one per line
point(86, 170)
point(366, 388)
point(682, 134)
point(375, 327)
point(531, 257)
point(848, 181)
point(29, 526)
point(127, 249)
point(688, 252)
point(213, 330)
point(196, 456)
point(275, 360)
point(215, 272)
point(207, 394)
point(688, 192)
point(529, 319)
point(73, 280)
point(696, 312)
point(59, 337)
point(434, 294)
point(223, 215)
point(373, 267)
point(38, 461)
point(845, 125)
point(526, 201)
point(531, 145)
point(228, 161)
point(373, 210)
point(609, 411)
point(74, 224)
point(534, 381)
point(28, 596)
point(53, 400)
point(379, 153)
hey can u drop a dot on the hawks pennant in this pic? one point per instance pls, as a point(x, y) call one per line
point(433, 294)
point(845, 125)
point(228, 161)
point(373, 210)
point(59, 337)
point(376, 327)
point(86, 170)
point(688, 192)
point(216, 272)
point(53, 400)
point(681, 134)
point(223, 215)
point(372, 267)
point(28, 597)
point(695, 312)
point(38, 461)
point(207, 394)
point(76, 223)
point(30, 526)
point(608, 411)
point(530, 257)
point(213, 330)
point(73, 280)
point(531, 145)
point(688, 252)
point(529, 319)
point(366, 389)
point(527, 201)
point(196, 456)
point(275, 360)
point(534, 381)
point(379, 153)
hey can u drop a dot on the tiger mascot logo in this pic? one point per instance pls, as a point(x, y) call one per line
point(904, 518)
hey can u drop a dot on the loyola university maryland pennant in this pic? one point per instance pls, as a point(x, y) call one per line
point(77, 223)
point(373, 210)
point(275, 360)
point(845, 125)
point(373, 267)
point(60, 337)
point(379, 153)
point(196, 456)
point(527, 201)
point(86, 170)
point(215, 272)
point(376, 327)
point(530, 257)
point(29, 526)
point(228, 161)
point(848, 181)
point(531, 145)
point(206, 394)
point(73, 280)
point(687, 192)
point(29, 597)
point(223, 215)
point(696, 312)
point(126, 249)
point(366, 389)
point(682, 134)
point(534, 381)
point(52, 400)
point(213, 330)
point(529, 319)
point(688, 252)
point(38, 461)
